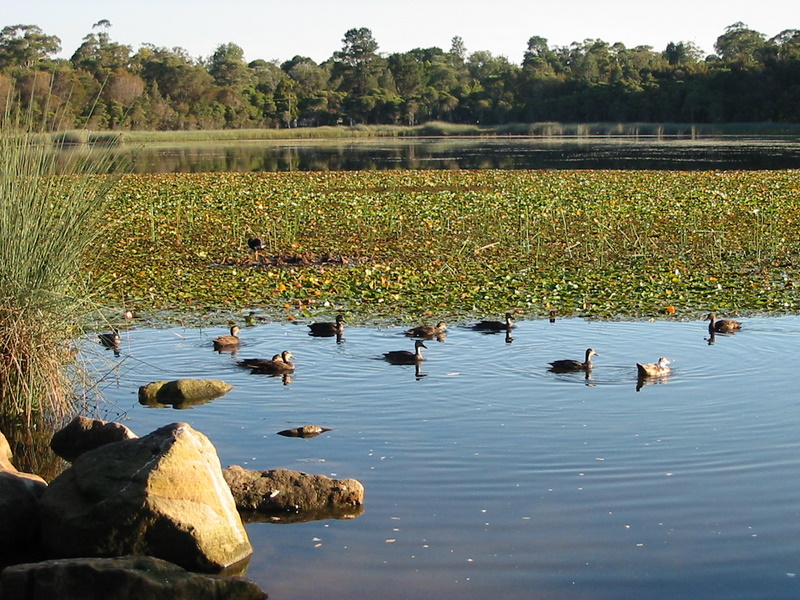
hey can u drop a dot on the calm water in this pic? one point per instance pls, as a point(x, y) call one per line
point(490, 477)
point(474, 153)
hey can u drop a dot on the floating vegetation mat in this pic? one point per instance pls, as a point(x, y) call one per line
point(411, 244)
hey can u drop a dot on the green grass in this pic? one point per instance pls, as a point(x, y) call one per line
point(591, 243)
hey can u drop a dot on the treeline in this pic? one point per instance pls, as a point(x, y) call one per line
point(106, 85)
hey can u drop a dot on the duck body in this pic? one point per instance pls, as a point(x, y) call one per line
point(495, 325)
point(406, 357)
point(656, 369)
point(228, 341)
point(111, 339)
point(722, 325)
point(428, 331)
point(327, 329)
point(279, 363)
point(567, 366)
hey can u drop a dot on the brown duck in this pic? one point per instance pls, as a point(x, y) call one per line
point(495, 325)
point(406, 357)
point(327, 329)
point(279, 363)
point(566, 366)
point(228, 341)
point(428, 331)
point(722, 325)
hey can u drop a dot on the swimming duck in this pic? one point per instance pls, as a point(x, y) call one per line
point(405, 357)
point(722, 325)
point(428, 331)
point(495, 325)
point(228, 341)
point(327, 329)
point(110, 340)
point(657, 369)
point(564, 366)
point(279, 363)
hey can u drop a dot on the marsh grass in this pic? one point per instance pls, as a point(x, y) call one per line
point(51, 213)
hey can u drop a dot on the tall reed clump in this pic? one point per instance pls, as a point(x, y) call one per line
point(51, 209)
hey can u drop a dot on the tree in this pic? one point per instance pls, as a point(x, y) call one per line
point(682, 53)
point(25, 45)
point(358, 63)
point(99, 55)
point(740, 44)
point(228, 68)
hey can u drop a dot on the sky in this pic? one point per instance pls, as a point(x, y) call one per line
point(280, 30)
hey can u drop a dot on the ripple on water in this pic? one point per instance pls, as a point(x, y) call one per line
point(486, 472)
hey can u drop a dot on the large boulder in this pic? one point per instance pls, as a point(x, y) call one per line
point(182, 393)
point(19, 516)
point(19, 510)
point(282, 490)
point(83, 434)
point(122, 578)
point(5, 454)
point(161, 495)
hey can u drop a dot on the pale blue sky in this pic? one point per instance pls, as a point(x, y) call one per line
point(270, 29)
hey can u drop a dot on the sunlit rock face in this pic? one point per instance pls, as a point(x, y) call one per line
point(161, 495)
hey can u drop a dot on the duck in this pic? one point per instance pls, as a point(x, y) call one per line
point(327, 329)
point(279, 363)
point(255, 244)
point(428, 331)
point(564, 366)
point(406, 357)
point(656, 369)
point(495, 325)
point(111, 339)
point(228, 341)
point(722, 325)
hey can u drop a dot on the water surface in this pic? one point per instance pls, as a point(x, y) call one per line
point(613, 152)
point(487, 476)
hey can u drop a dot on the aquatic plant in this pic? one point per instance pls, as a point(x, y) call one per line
point(593, 243)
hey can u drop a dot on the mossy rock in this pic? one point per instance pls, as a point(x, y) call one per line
point(182, 392)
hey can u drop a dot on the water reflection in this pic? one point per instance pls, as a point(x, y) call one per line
point(619, 153)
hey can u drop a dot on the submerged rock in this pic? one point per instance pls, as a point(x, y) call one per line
point(182, 393)
point(306, 431)
point(83, 434)
point(282, 490)
point(161, 495)
point(121, 578)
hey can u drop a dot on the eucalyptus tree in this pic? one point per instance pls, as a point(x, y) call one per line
point(99, 55)
point(228, 68)
point(25, 46)
point(741, 44)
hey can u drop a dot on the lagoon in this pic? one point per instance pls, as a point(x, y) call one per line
point(488, 476)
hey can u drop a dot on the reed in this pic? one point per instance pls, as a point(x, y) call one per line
point(50, 213)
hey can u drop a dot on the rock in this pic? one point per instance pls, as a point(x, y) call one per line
point(5, 454)
point(281, 490)
point(19, 516)
point(182, 393)
point(161, 495)
point(83, 434)
point(122, 578)
point(306, 431)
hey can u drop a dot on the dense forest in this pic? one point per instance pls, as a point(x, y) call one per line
point(106, 85)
